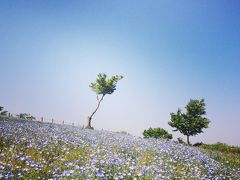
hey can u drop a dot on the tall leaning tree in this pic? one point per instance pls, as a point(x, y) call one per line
point(102, 87)
point(193, 121)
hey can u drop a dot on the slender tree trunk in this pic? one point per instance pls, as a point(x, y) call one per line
point(89, 122)
point(90, 117)
point(188, 140)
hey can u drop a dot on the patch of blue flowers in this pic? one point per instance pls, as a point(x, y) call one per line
point(36, 150)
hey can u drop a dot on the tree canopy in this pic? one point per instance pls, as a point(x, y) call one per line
point(105, 86)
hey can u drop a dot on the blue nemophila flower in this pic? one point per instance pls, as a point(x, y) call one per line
point(24, 158)
point(66, 173)
point(9, 176)
point(19, 175)
point(115, 161)
point(100, 173)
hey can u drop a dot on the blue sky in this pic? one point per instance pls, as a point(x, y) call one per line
point(167, 51)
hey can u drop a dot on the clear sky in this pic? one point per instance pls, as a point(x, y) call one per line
point(167, 51)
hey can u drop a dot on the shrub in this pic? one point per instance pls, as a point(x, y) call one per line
point(122, 132)
point(198, 144)
point(156, 133)
point(180, 140)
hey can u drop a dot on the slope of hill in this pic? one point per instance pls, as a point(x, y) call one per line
point(30, 149)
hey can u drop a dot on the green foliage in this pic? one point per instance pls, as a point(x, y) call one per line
point(105, 86)
point(192, 122)
point(156, 133)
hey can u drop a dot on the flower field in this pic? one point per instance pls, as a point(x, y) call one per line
point(36, 150)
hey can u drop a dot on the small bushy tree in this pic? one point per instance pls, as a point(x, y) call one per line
point(3, 113)
point(23, 115)
point(193, 121)
point(30, 117)
point(156, 133)
point(1, 108)
point(122, 132)
point(26, 116)
point(102, 87)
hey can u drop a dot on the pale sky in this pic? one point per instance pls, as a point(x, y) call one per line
point(167, 51)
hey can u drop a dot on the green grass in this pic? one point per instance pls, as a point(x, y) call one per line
point(228, 155)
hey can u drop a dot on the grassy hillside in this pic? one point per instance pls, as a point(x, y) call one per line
point(38, 150)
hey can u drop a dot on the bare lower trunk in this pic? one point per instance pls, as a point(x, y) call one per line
point(89, 122)
point(90, 117)
point(188, 140)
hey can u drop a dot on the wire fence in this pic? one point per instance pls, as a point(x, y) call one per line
point(39, 119)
